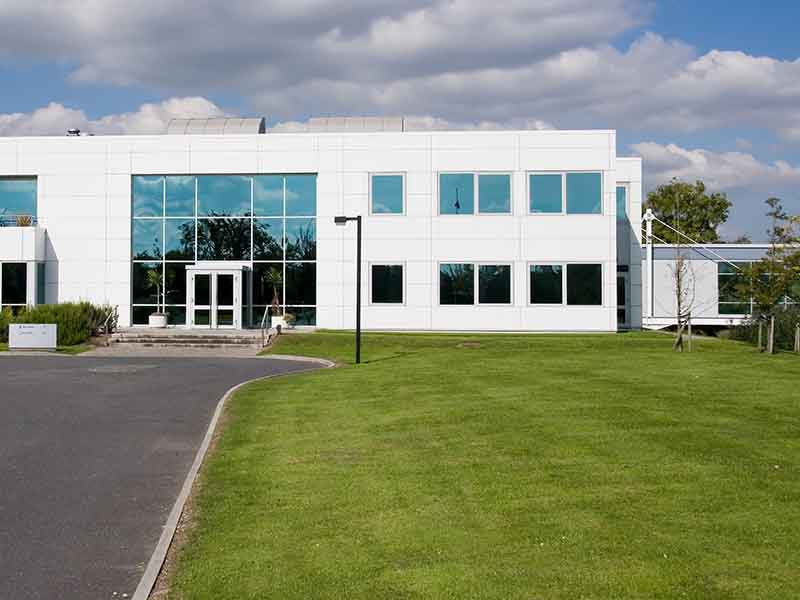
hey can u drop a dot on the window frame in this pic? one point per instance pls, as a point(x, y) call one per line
point(564, 199)
point(476, 282)
point(627, 187)
point(564, 267)
point(35, 179)
point(402, 175)
point(384, 263)
point(563, 282)
point(476, 195)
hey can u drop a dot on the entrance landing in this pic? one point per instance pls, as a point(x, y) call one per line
point(186, 342)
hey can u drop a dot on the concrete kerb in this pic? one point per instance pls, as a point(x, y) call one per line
point(156, 562)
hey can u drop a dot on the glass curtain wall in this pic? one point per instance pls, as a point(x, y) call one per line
point(266, 221)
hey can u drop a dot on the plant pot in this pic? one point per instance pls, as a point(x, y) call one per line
point(157, 320)
point(276, 322)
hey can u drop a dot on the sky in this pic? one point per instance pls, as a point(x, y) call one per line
point(700, 90)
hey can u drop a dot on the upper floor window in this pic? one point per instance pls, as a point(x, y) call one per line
point(622, 203)
point(565, 193)
point(17, 197)
point(387, 194)
point(457, 193)
point(584, 194)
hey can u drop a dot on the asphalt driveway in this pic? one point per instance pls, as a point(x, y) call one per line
point(93, 453)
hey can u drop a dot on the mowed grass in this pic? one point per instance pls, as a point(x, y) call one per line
point(505, 467)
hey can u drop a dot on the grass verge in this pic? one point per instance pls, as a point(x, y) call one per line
point(455, 466)
point(77, 349)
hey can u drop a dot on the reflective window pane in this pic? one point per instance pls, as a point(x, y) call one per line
point(223, 195)
point(141, 314)
point(456, 194)
point(301, 283)
point(268, 195)
point(147, 238)
point(223, 239)
point(268, 239)
point(14, 283)
point(267, 283)
point(144, 277)
point(301, 239)
point(494, 193)
point(387, 194)
point(17, 196)
point(545, 192)
point(180, 196)
point(584, 193)
point(387, 284)
point(301, 195)
point(494, 284)
point(148, 196)
point(304, 316)
point(176, 315)
point(585, 284)
point(41, 283)
point(175, 282)
point(456, 284)
point(622, 203)
point(179, 239)
point(202, 289)
point(224, 289)
point(546, 284)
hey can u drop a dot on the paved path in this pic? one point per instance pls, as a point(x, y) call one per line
point(93, 453)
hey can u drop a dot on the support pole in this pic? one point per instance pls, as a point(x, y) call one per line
point(771, 338)
point(358, 291)
point(797, 338)
point(760, 334)
point(648, 217)
point(689, 327)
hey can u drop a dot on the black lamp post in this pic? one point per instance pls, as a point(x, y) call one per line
point(343, 221)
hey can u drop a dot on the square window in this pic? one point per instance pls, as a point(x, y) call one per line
point(387, 194)
point(223, 239)
point(175, 282)
point(494, 284)
point(456, 284)
point(456, 194)
point(268, 195)
point(584, 285)
point(584, 194)
point(301, 195)
point(301, 283)
point(546, 284)
point(387, 284)
point(18, 196)
point(268, 239)
point(301, 239)
point(223, 195)
point(148, 196)
point(545, 193)
point(179, 239)
point(180, 194)
point(144, 287)
point(494, 194)
point(147, 236)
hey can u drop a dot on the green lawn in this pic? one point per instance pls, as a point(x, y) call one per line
point(530, 467)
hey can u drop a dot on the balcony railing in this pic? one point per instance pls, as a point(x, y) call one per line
point(17, 221)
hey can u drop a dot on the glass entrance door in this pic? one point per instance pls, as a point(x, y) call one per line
point(214, 299)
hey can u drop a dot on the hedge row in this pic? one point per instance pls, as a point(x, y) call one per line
point(786, 320)
point(76, 321)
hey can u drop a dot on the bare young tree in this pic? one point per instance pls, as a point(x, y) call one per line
point(683, 281)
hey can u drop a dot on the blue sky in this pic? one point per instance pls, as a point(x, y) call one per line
point(705, 90)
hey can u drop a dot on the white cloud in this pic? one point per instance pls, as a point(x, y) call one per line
point(56, 119)
point(720, 171)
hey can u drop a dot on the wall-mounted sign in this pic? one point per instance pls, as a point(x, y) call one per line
point(30, 336)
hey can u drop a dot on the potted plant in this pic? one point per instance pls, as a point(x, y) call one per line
point(274, 278)
point(158, 318)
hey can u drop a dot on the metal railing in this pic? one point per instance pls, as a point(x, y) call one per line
point(114, 314)
point(265, 327)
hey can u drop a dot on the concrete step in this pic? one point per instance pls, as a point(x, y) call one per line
point(247, 341)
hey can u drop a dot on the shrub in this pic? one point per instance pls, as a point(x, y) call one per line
point(76, 321)
point(786, 319)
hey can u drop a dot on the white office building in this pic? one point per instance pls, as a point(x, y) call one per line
point(462, 230)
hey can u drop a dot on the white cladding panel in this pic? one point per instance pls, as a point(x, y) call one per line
point(84, 187)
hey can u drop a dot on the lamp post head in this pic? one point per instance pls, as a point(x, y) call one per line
point(340, 220)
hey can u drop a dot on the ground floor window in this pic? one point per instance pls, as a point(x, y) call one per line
point(13, 284)
point(386, 284)
point(457, 284)
point(582, 286)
